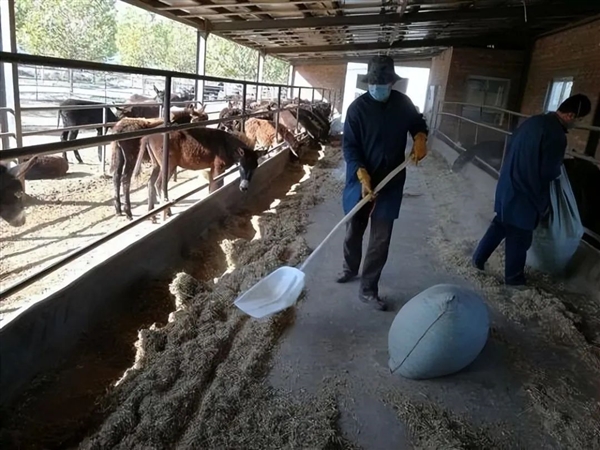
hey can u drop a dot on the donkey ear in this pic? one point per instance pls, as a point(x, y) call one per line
point(241, 151)
point(155, 89)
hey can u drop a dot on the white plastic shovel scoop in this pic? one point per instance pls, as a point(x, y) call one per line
point(281, 288)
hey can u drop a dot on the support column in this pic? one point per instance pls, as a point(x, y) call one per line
point(260, 75)
point(10, 109)
point(291, 81)
point(201, 41)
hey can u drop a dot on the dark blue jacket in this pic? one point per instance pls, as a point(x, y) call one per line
point(533, 159)
point(375, 138)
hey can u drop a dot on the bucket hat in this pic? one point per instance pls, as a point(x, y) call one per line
point(380, 71)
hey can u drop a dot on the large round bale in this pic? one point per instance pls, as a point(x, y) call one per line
point(438, 332)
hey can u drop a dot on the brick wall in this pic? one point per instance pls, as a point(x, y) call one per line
point(323, 76)
point(452, 69)
point(572, 53)
point(468, 62)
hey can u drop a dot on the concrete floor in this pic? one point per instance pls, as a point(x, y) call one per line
point(335, 336)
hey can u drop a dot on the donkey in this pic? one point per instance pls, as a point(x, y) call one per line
point(264, 134)
point(47, 167)
point(233, 124)
point(313, 124)
point(125, 152)
point(80, 117)
point(185, 96)
point(197, 149)
point(152, 111)
point(12, 192)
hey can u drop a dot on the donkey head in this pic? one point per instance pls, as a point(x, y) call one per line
point(11, 196)
point(160, 95)
point(198, 114)
point(248, 160)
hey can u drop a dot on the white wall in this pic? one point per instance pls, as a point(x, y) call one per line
point(306, 94)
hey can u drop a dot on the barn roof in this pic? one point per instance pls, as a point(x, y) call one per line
point(316, 31)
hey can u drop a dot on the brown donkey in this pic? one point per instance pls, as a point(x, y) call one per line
point(125, 152)
point(263, 133)
point(197, 149)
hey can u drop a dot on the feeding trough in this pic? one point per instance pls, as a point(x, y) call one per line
point(281, 288)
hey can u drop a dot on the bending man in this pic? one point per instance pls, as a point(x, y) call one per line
point(532, 161)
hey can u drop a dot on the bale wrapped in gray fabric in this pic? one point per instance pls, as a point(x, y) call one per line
point(438, 332)
point(555, 242)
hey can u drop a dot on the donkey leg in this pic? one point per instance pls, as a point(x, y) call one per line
point(127, 174)
point(212, 184)
point(72, 136)
point(165, 199)
point(100, 147)
point(152, 189)
point(117, 181)
point(63, 138)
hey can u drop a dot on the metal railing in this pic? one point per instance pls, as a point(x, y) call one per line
point(506, 133)
point(57, 147)
point(25, 59)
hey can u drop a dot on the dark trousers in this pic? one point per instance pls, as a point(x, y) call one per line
point(517, 243)
point(377, 250)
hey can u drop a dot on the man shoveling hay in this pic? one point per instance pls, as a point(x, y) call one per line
point(198, 382)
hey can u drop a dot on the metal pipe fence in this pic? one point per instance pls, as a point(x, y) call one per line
point(34, 60)
point(460, 120)
point(57, 147)
point(28, 281)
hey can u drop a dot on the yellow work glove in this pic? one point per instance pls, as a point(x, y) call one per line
point(419, 150)
point(365, 181)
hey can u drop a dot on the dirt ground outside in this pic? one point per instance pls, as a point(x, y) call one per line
point(65, 214)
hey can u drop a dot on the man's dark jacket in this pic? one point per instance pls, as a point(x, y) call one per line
point(375, 136)
point(533, 160)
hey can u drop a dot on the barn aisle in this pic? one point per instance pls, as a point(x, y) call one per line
point(522, 391)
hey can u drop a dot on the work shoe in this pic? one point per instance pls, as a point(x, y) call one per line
point(374, 301)
point(479, 267)
point(345, 277)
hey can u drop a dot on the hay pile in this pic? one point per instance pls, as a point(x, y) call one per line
point(198, 382)
point(548, 328)
point(431, 427)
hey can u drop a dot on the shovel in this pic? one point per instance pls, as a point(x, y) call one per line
point(281, 288)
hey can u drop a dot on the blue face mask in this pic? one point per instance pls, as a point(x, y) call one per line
point(380, 92)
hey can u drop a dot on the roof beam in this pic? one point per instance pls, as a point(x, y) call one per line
point(537, 12)
point(478, 41)
point(153, 6)
point(410, 61)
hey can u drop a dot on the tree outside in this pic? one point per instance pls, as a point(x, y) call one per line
point(229, 60)
point(72, 29)
point(146, 40)
point(97, 30)
point(276, 71)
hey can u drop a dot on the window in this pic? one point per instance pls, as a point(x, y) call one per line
point(558, 91)
point(486, 91)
